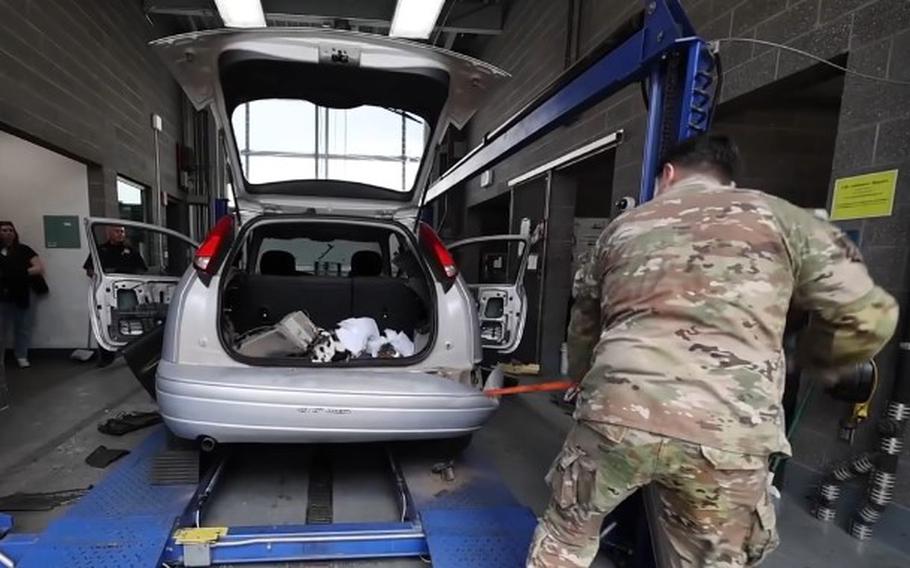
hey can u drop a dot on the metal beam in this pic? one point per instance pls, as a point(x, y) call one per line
point(330, 156)
point(633, 57)
point(187, 8)
point(471, 16)
point(628, 62)
point(292, 543)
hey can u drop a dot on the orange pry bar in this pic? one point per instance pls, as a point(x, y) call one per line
point(551, 386)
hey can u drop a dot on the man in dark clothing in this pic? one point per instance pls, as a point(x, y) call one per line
point(116, 256)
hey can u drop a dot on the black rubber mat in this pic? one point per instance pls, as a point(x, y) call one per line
point(176, 467)
point(104, 456)
point(128, 422)
point(319, 492)
point(40, 501)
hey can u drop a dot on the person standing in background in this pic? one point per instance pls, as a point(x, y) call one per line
point(117, 256)
point(20, 270)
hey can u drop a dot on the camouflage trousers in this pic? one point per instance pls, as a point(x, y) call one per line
point(713, 506)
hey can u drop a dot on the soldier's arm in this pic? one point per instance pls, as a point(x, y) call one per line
point(584, 322)
point(851, 318)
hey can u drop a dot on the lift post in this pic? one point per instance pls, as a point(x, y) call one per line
point(128, 521)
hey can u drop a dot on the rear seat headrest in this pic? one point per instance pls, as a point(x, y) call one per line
point(366, 263)
point(278, 263)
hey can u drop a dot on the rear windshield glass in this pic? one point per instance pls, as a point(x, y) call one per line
point(290, 139)
point(319, 258)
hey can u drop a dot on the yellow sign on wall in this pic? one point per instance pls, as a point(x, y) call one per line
point(861, 197)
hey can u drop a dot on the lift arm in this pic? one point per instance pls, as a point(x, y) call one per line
point(663, 51)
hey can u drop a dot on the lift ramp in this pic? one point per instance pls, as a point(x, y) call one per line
point(468, 520)
point(452, 514)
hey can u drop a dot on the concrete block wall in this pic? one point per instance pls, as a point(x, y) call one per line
point(786, 148)
point(77, 77)
point(873, 131)
point(535, 49)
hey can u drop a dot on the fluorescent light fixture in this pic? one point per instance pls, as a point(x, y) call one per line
point(241, 13)
point(415, 18)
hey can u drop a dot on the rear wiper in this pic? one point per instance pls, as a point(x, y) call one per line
point(403, 113)
point(327, 251)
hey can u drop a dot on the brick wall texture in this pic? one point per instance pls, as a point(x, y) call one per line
point(77, 76)
point(872, 131)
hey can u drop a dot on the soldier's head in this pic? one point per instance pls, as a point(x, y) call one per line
point(711, 155)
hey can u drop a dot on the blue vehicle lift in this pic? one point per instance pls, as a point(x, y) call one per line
point(127, 521)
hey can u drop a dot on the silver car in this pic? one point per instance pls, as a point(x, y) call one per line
point(327, 137)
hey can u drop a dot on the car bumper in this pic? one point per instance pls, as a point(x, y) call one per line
point(281, 405)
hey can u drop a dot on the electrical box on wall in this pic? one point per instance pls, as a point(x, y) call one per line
point(486, 178)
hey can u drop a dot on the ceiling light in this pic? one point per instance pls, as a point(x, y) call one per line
point(241, 13)
point(415, 18)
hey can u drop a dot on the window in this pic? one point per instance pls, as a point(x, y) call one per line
point(131, 200)
point(289, 139)
point(490, 261)
point(135, 250)
point(313, 257)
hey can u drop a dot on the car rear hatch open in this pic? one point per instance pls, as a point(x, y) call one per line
point(325, 120)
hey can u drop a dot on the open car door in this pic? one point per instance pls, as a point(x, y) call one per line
point(134, 269)
point(493, 268)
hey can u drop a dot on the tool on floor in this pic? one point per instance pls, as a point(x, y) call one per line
point(128, 422)
point(446, 470)
point(103, 456)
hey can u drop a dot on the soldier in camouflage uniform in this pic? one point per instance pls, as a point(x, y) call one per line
point(676, 332)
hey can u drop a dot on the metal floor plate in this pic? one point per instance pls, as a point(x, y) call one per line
point(494, 537)
point(123, 522)
point(472, 521)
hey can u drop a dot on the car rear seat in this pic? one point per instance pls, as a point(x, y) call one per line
point(262, 299)
point(389, 301)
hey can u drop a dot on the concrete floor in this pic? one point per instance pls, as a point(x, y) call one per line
point(51, 427)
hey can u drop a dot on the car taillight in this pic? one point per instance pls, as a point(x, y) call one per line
point(430, 241)
point(213, 245)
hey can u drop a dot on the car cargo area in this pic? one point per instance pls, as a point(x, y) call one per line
point(316, 292)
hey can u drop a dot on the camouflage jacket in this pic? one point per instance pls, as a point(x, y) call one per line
point(679, 314)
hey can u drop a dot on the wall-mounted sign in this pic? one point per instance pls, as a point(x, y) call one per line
point(861, 197)
point(61, 231)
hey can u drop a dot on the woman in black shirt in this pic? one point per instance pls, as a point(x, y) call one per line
point(19, 264)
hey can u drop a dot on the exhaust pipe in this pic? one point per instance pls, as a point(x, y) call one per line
point(208, 444)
